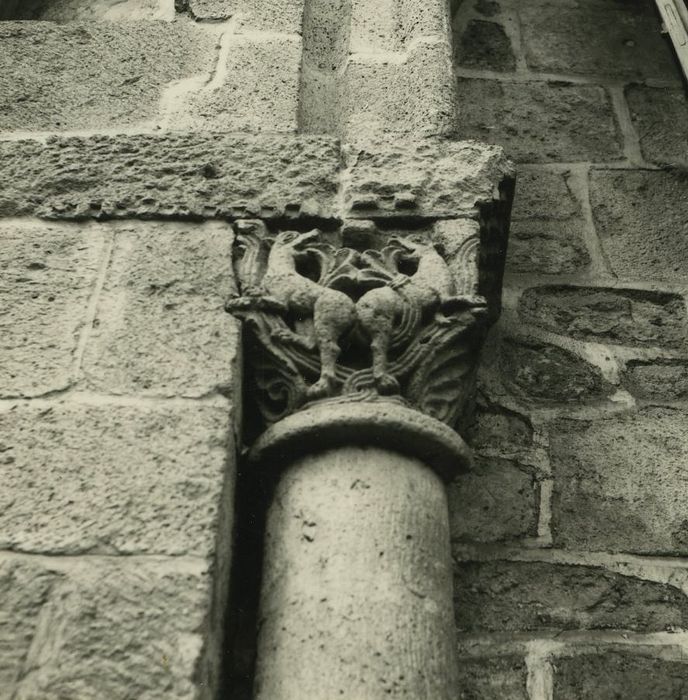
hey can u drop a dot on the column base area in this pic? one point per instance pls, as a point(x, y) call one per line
point(382, 424)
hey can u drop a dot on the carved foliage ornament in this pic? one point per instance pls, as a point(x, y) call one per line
point(386, 319)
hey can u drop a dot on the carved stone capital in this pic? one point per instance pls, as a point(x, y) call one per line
point(366, 314)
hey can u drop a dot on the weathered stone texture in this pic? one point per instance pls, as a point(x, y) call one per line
point(495, 501)
point(499, 429)
point(430, 178)
point(414, 97)
point(24, 589)
point(642, 219)
point(540, 121)
point(160, 325)
point(657, 379)
point(661, 119)
point(276, 15)
point(610, 675)
point(415, 19)
point(499, 678)
point(170, 176)
point(487, 8)
point(547, 225)
point(81, 76)
point(106, 629)
point(392, 24)
point(501, 596)
point(547, 247)
point(108, 479)
point(604, 315)
point(603, 37)
point(257, 89)
point(47, 275)
point(96, 10)
point(484, 45)
point(549, 374)
point(545, 194)
point(618, 483)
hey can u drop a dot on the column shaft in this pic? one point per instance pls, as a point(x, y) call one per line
point(357, 588)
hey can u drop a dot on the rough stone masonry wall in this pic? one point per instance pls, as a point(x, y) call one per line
point(571, 537)
point(131, 134)
point(126, 124)
point(117, 361)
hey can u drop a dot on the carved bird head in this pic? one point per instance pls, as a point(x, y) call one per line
point(296, 239)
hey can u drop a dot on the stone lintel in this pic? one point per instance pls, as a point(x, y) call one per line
point(237, 175)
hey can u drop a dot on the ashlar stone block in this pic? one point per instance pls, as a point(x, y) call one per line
point(160, 327)
point(495, 501)
point(618, 673)
point(608, 38)
point(545, 374)
point(274, 16)
point(255, 88)
point(107, 628)
point(605, 315)
point(657, 379)
point(414, 96)
point(72, 76)
point(102, 478)
point(484, 45)
point(661, 120)
point(496, 678)
point(48, 274)
point(546, 235)
point(427, 178)
point(24, 590)
point(619, 483)
point(501, 596)
point(540, 122)
point(642, 219)
point(108, 10)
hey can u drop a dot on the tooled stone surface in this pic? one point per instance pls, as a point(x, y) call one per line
point(199, 175)
point(431, 177)
point(362, 315)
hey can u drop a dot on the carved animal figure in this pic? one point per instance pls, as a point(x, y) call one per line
point(312, 287)
point(395, 311)
point(332, 311)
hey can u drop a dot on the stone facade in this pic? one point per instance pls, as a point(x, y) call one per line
point(136, 134)
point(571, 577)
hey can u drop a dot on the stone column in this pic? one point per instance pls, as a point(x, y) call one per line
point(357, 583)
point(362, 347)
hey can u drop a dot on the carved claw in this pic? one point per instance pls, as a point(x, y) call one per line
point(238, 304)
point(254, 302)
point(323, 388)
point(386, 384)
point(287, 336)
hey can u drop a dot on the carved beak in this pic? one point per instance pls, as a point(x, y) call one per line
point(409, 247)
point(313, 235)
